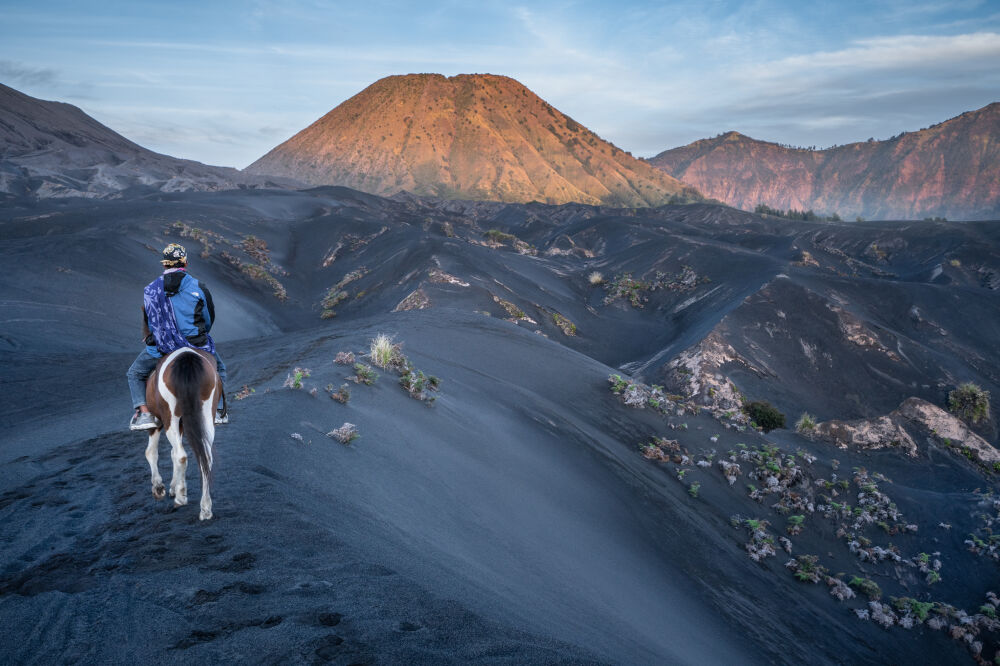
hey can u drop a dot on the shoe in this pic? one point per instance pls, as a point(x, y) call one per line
point(143, 421)
point(221, 419)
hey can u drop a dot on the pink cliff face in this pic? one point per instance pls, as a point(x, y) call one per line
point(951, 169)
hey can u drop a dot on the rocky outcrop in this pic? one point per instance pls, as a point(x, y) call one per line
point(472, 136)
point(878, 433)
point(951, 169)
point(914, 416)
point(948, 429)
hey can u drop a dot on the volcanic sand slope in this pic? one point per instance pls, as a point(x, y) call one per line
point(472, 136)
point(951, 169)
point(52, 149)
point(514, 520)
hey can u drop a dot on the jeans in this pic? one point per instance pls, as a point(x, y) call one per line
point(142, 367)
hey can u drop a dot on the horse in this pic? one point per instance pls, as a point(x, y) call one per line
point(183, 393)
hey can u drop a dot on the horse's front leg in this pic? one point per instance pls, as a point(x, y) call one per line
point(153, 457)
point(178, 484)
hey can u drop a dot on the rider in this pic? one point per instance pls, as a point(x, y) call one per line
point(177, 312)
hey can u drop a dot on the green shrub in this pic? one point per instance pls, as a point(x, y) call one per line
point(294, 380)
point(384, 353)
point(363, 374)
point(624, 286)
point(970, 402)
point(765, 415)
point(806, 423)
point(564, 324)
point(868, 586)
point(498, 236)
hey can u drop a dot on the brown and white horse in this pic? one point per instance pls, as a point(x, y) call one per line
point(183, 393)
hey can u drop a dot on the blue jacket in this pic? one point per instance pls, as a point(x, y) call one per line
point(194, 310)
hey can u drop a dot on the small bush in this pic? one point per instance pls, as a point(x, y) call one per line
point(384, 353)
point(345, 434)
point(868, 586)
point(795, 524)
point(624, 286)
point(341, 395)
point(244, 393)
point(363, 374)
point(596, 278)
point(417, 384)
point(332, 299)
point(344, 358)
point(765, 415)
point(498, 236)
point(970, 402)
point(564, 324)
point(294, 380)
point(693, 489)
point(806, 423)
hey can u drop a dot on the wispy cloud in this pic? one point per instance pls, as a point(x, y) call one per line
point(19, 74)
point(895, 52)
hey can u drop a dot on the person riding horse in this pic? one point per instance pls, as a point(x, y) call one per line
point(177, 312)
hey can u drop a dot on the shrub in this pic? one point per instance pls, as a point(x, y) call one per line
point(693, 489)
point(244, 393)
point(363, 374)
point(868, 586)
point(417, 384)
point(765, 415)
point(806, 423)
point(345, 434)
point(344, 358)
point(795, 524)
point(332, 299)
point(564, 324)
point(970, 402)
point(595, 278)
point(498, 236)
point(341, 395)
point(624, 286)
point(294, 380)
point(512, 310)
point(384, 353)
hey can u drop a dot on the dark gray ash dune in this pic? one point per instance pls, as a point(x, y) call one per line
point(53, 149)
point(515, 520)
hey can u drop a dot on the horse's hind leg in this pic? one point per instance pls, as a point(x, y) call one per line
point(152, 456)
point(178, 484)
point(208, 421)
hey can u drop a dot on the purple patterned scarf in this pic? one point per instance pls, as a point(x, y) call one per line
point(163, 323)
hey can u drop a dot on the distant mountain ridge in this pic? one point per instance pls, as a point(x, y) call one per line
point(471, 136)
point(951, 169)
point(53, 149)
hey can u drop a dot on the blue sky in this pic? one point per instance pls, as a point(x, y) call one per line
point(224, 82)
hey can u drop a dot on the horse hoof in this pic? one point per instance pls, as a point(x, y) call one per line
point(180, 500)
point(159, 492)
point(205, 515)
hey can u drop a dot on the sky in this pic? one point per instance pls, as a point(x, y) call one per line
point(224, 82)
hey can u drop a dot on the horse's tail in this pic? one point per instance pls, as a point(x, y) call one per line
point(191, 372)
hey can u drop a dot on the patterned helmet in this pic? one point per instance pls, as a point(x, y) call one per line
point(174, 255)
